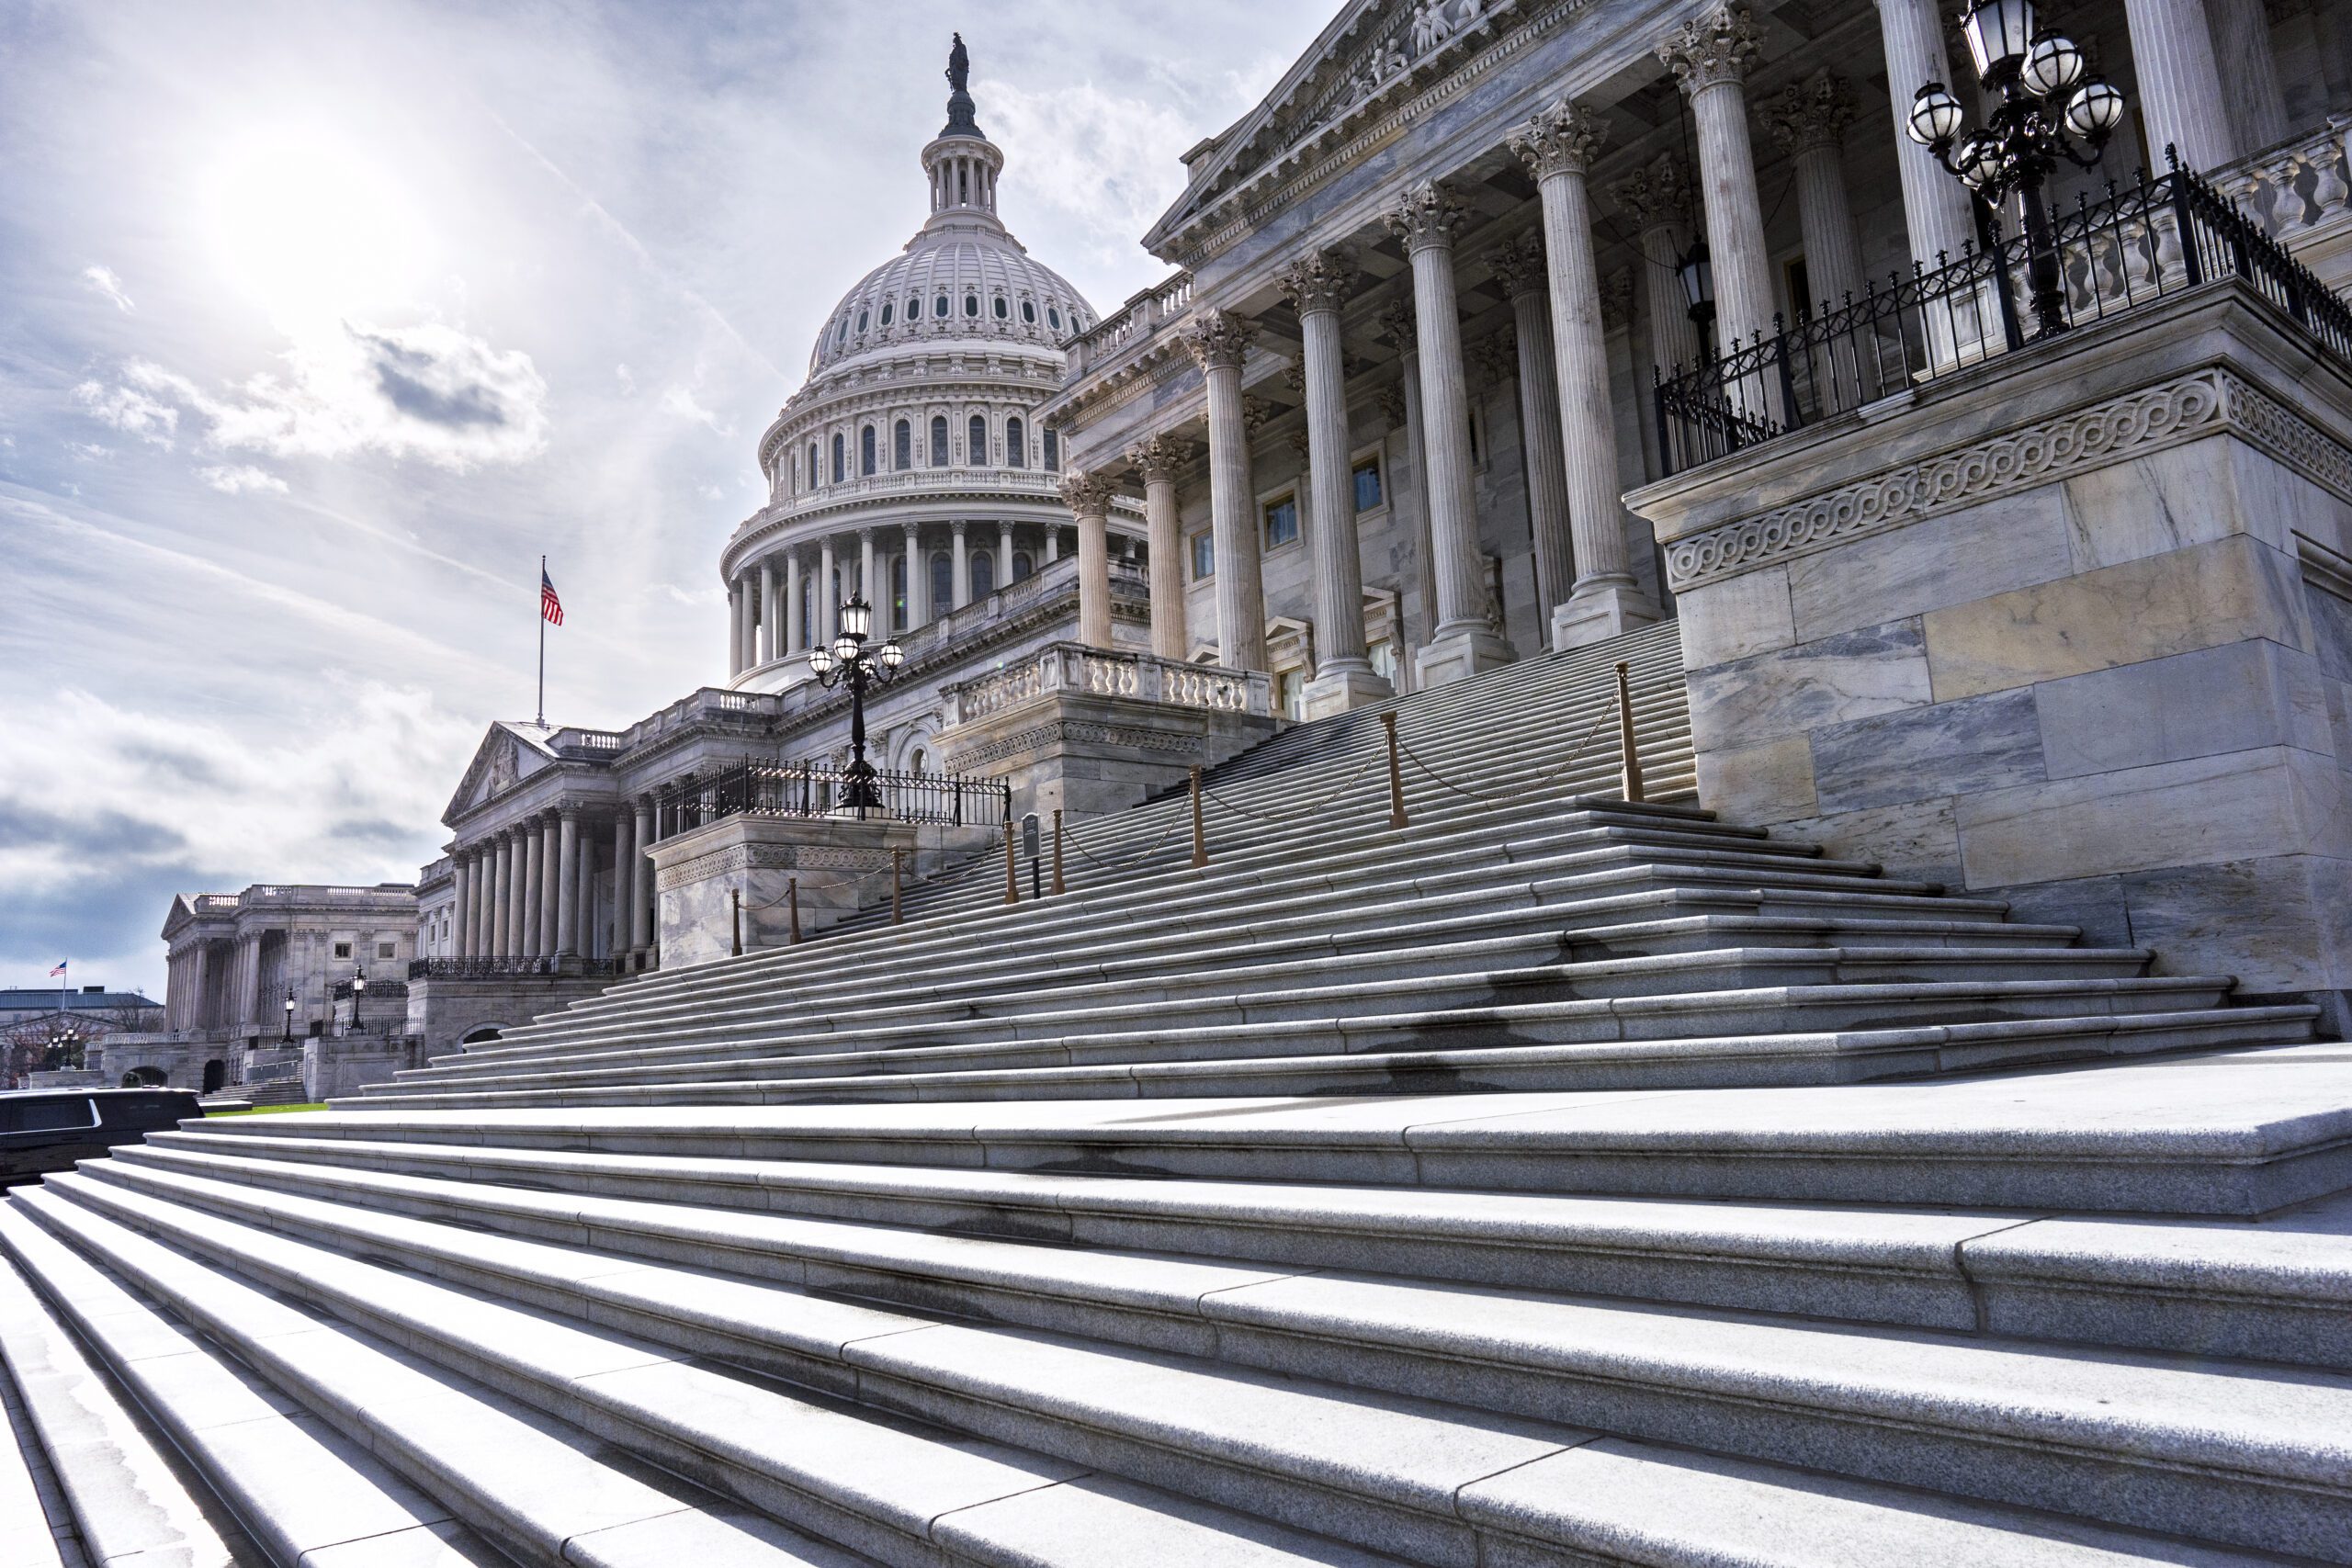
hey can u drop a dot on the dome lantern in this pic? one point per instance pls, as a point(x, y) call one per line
point(962, 162)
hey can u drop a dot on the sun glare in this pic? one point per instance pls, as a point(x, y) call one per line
point(309, 229)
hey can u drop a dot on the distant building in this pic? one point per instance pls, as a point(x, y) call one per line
point(34, 1020)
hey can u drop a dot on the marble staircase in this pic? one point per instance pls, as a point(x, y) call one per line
point(1554, 1180)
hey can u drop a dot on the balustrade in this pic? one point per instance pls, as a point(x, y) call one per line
point(1075, 667)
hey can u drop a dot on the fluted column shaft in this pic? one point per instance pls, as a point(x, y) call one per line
point(640, 880)
point(1156, 460)
point(550, 883)
point(2180, 82)
point(1429, 221)
point(567, 898)
point(1317, 286)
point(1809, 118)
point(1220, 343)
point(1004, 557)
point(1397, 323)
point(462, 891)
point(1936, 216)
point(768, 649)
point(829, 600)
point(2258, 106)
point(1088, 499)
point(734, 630)
point(868, 588)
point(1710, 57)
point(502, 883)
point(796, 624)
point(963, 575)
point(1524, 274)
point(918, 580)
point(534, 909)
point(623, 843)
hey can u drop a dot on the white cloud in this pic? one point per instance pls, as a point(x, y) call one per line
point(89, 451)
point(427, 391)
point(104, 280)
point(676, 400)
point(241, 478)
point(131, 410)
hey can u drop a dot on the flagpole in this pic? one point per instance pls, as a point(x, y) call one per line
point(543, 646)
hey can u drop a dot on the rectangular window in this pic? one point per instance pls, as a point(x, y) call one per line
point(1367, 477)
point(1203, 556)
point(385, 950)
point(1282, 522)
point(343, 950)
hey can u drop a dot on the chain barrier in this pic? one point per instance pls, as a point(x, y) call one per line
point(1346, 784)
point(1152, 849)
point(1541, 782)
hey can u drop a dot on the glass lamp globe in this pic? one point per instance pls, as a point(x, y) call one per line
point(857, 619)
point(893, 655)
point(845, 646)
point(1999, 33)
point(1936, 116)
point(358, 980)
point(2095, 110)
point(1977, 159)
point(820, 660)
point(2052, 66)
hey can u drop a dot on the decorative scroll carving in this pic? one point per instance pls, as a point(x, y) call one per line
point(1321, 280)
point(1519, 265)
point(1218, 339)
point(1659, 193)
point(1711, 49)
point(1811, 113)
point(1159, 458)
point(1088, 495)
point(1425, 215)
point(1565, 138)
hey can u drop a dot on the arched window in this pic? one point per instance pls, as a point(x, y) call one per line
point(939, 307)
point(983, 573)
point(939, 441)
point(902, 447)
point(1053, 449)
point(861, 320)
point(841, 334)
point(914, 308)
point(915, 763)
point(1021, 565)
point(812, 465)
point(1054, 318)
point(943, 582)
point(887, 306)
point(865, 451)
point(1029, 311)
point(1004, 311)
point(1016, 446)
point(840, 460)
point(899, 591)
point(971, 304)
point(976, 443)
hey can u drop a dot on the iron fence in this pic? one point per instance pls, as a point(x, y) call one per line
point(504, 968)
point(808, 790)
point(2139, 243)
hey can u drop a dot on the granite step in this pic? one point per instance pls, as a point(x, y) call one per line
point(1035, 1248)
point(893, 1491)
point(1384, 1397)
point(2238, 1133)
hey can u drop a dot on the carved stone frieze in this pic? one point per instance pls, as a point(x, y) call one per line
point(2105, 432)
point(1713, 49)
point(1565, 138)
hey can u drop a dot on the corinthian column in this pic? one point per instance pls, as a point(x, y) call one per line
point(1710, 56)
point(502, 894)
point(1426, 220)
point(1521, 273)
point(963, 580)
point(639, 879)
point(1809, 119)
point(796, 627)
point(768, 628)
point(1088, 500)
point(534, 879)
point(829, 599)
point(734, 630)
point(2181, 85)
point(1397, 326)
point(1936, 217)
point(2241, 50)
point(1344, 675)
point(1218, 343)
point(567, 898)
point(1657, 203)
point(1158, 460)
point(918, 580)
point(623, 841)
point(1558, 147)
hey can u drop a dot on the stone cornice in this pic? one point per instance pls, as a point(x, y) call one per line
point(2170, 413)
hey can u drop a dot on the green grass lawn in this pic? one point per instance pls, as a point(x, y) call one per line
point(268, 1110)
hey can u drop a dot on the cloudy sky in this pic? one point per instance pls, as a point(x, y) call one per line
point(320, 323)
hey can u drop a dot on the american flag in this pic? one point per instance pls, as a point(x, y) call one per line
point(550, 608)
point(56, 972)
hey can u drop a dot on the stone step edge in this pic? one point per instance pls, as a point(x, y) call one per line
point(2208, 1478)
point(1754, 1244)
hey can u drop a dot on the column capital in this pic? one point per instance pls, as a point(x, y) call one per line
point(1425, 215)
point(1159, 458)
point(1391, 400)
point(1658, 194)
point(1496, 359)
point(1255, 412)
point(1713, 49)
point(1219, 338)
point(1320, 280)
point(1812, 113)
point(1519, 265)
point(957, 526)
point(1086, 494)
point(1396, 324)
point(1562, 140)
point(1617, 299)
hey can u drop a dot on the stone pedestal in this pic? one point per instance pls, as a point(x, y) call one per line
point(1459, 655)
point(840, 865)
point(1341, 691)
point(2073, 628)
point(1085, 732)
point(1598, 610)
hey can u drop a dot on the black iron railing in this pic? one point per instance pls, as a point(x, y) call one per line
point(502, 968)
point(805, 789)
point(2138, 244)
point(388, 990)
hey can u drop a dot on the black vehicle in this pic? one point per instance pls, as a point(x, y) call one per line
point(49, 1129)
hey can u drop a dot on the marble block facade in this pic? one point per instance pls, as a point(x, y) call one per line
point(2074, 631)
point(831, 865)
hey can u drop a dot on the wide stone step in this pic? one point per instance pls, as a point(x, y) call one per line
point(1044, 1249)
point(2198, 1447)
point(2240, 1133)
point(891, 1490)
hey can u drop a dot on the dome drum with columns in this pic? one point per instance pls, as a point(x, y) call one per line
point(911, 465)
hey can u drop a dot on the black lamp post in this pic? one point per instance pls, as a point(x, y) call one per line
point(62, 1040)
point(358, 990)
point(850, 659)
point(2046, 92)
point(289, 1036)
point(1696, 273)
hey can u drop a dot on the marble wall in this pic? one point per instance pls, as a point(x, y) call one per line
point(2092, 658)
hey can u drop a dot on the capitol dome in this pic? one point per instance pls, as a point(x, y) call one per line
point(963, 276)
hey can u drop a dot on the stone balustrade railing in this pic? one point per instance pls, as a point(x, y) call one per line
point(1074, 667)
point(1140, 317)
point(2299, 189)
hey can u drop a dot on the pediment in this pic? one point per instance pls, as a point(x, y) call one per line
point(504, 759)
